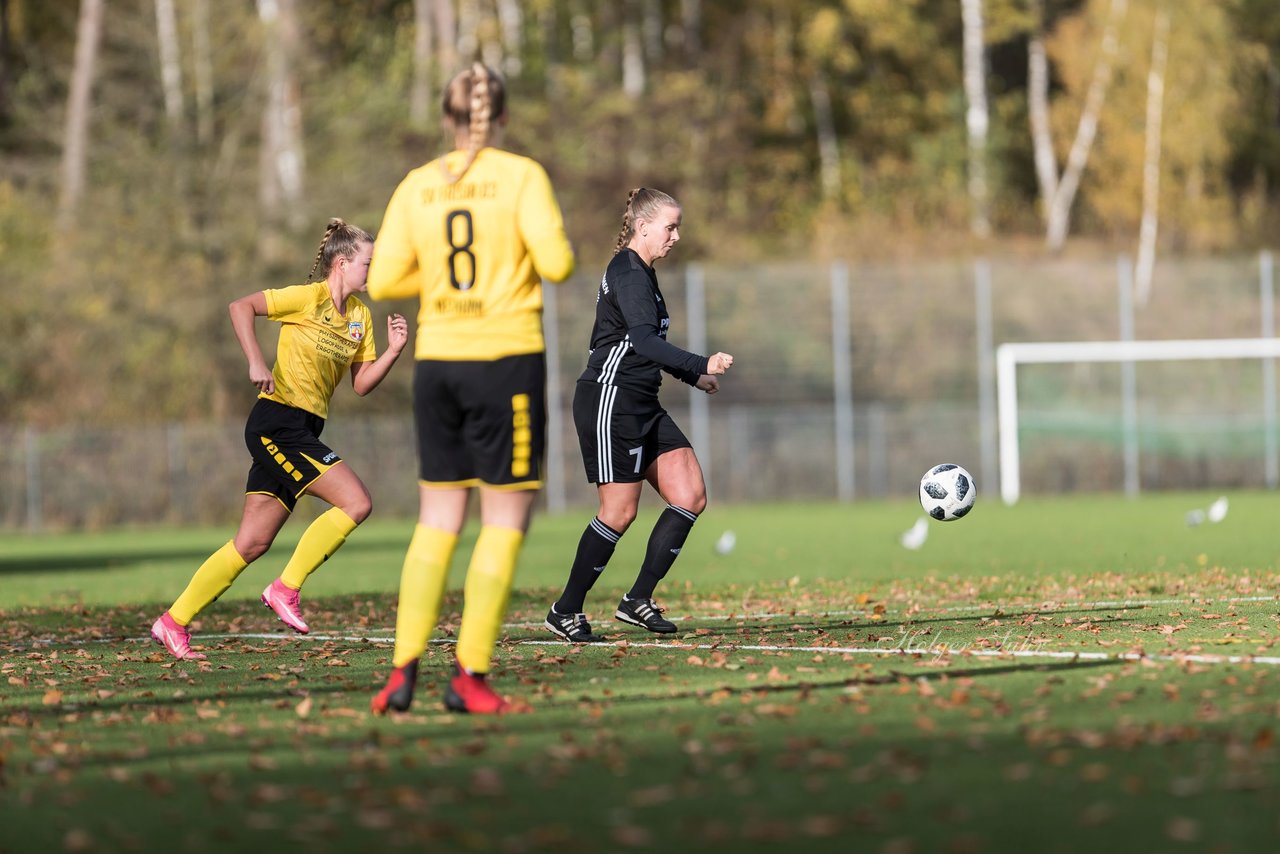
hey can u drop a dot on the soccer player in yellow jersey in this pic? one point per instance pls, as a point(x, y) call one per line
point(325, 329)
point(471, 235)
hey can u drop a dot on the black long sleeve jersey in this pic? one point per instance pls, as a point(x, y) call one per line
point(629, 347)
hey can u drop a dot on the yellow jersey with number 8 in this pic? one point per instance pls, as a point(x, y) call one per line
point(474, 253)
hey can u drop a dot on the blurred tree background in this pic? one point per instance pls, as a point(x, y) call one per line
point(161, 157)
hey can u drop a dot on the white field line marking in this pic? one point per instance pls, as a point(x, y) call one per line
point(1050, 605)
point(1043, 606)
point(931, 652)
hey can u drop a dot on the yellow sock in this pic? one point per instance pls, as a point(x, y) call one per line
point(322, 538)
point(422, 582)
point(210, 581)
point(488, 586)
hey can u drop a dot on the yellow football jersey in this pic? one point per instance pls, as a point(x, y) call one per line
point(474, 253)
point(317, 344)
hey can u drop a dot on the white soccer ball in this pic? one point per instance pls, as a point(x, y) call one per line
point(947, 492)
point(727, 541)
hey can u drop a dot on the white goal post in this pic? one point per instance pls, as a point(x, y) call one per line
point(1010, 356)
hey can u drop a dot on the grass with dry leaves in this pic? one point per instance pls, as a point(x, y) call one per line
point(1062, 675)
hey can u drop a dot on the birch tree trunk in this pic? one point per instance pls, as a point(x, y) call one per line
point(75, 140)
point(977, 116)
point(468, 39)
point(169, 52)
point(446, 38)
point(420, 90)
point(1059, 206)
point(1145, 268)
point(170, 61)
point(510, 22)
point(828, 142)
point(489, 41)
point(1038, 112)
point(633, 70)
point(282, 157)
point(202, 51)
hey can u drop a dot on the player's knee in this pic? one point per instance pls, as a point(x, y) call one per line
point(253, 549)
point(618, 518)
point(359, 509)
point(693, 500)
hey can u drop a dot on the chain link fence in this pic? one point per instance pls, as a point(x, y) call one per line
point(912, 382)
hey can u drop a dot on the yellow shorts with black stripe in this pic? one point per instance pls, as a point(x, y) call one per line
point(288, 455)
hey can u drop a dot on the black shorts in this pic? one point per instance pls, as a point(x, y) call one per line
point(621, 432)
point(288, 455)
point(481, 423)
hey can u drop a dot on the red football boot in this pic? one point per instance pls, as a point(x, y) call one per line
point(397, 694)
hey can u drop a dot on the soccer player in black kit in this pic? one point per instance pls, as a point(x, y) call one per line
point(626, 437)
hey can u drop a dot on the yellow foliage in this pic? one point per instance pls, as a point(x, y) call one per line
point(824, 34)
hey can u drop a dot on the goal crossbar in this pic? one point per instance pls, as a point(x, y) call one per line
point(1010, 355)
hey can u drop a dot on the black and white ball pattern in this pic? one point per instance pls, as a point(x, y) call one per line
point(947, 492)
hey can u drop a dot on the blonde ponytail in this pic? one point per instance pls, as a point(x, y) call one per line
point(628, 223)
point(474, 98)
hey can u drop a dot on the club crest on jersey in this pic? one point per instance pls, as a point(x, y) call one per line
point(356, 330)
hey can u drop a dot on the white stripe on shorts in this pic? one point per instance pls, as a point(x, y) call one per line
point(609, 370)
point(604, 434)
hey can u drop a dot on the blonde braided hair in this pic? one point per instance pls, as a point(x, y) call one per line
point(341, 240)
point(643, 203)
point(474, 97)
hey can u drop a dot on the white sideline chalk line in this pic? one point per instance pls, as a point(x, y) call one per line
point(1044, 606)
point(1199, 658)
point(930, 652)
point(1038, 607)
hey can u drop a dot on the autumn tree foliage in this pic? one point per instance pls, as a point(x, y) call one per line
point(193, 158)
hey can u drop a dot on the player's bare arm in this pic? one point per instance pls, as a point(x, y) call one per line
point(243, 311)
point(366, 376)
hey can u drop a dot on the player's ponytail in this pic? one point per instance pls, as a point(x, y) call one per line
point(474, 98)
point(341, 240)
point(628, 224)
point(643, 204)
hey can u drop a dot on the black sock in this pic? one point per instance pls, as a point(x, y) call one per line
point(669, 534)
point(594, 550)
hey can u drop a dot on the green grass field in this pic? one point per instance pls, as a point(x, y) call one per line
point(1065, 675)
